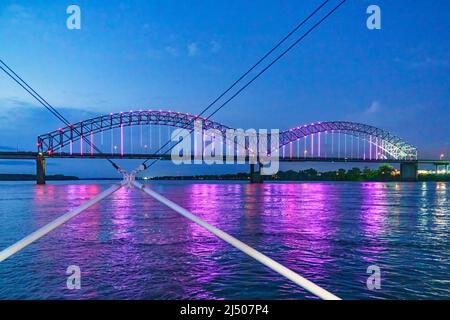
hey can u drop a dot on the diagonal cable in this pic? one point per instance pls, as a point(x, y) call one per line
point(255, 77)
point(14, 76)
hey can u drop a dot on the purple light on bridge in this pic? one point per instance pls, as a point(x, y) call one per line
point(304, 147)
point(312, 145)
point(92, 144)
point(290, 150)
point(195, 143)
point(332, 142)
point(71, 147)
point(318, 151)
point(370, 148)
point(203, 142)
point(121, 139)
point(81, 145)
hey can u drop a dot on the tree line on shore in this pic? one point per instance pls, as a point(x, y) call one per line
point(384, 172)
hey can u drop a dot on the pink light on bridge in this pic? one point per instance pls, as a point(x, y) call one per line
point(290, 150)
point(92, 144)
point(376, 148)
point(312, 145)
point(121, 139)
point(81, 145)
point(203, 142)
point(195, 143)
point(318, 151)
point(213, 142)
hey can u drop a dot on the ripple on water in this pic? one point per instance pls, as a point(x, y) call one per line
point(130, 247)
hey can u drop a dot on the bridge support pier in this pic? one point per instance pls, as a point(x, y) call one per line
point(255, 177)
point(40, 169)
point(409, 171)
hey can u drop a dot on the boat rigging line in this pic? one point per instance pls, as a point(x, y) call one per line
point(255, 254)
point(8, 252)
point(144, 165)
point(19, 80)
point(129, 179)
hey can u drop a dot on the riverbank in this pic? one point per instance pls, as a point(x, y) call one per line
point(384, 173)
point(32, 177)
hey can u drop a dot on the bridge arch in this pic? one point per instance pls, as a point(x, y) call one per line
point(381, 139)
point(50, 142)
point(390, 144)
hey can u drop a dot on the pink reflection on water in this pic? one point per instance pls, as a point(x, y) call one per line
point(374, 211)
point(374, 219)
point(310, 219)
point(46, 197)
point(121, 214)
point(205, 201)
point(66, 245)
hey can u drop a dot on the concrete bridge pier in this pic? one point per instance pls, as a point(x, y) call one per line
point(255, 177)
point(409, 171)
point(40, 169)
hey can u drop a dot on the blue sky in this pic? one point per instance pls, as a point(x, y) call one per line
point(179, 55)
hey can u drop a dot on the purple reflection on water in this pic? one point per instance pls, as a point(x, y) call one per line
point(205, 202)
point(66, 245)
point(373, 219)
point(301, 216)
point(132, 247)
point(374, 210)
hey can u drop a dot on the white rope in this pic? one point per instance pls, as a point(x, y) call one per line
point(6, 253)
point(272, 264)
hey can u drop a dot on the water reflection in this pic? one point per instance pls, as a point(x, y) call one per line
point(373, 221)
point(374, 210)
point(300, 216)
point(131, 247)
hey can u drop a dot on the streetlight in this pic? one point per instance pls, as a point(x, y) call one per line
point(442, 156)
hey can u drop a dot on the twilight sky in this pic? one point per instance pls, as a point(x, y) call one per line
point(179, 55)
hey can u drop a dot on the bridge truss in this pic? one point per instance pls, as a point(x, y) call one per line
point(385, 143)
point(380, 143)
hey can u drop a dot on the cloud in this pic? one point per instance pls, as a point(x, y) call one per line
point(175, 49)
point(17, 12)
point(431, 62)
point(20, 125)
point(192, 49)
point(215, 46)
point(425, 62)
point(171, 50)
point(373, 108)
point(20, 117)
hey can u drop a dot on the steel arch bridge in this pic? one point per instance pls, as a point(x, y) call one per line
point(62, 137)
point(378, 138)
point(383, 142)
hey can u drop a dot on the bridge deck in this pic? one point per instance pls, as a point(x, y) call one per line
point(25, 155)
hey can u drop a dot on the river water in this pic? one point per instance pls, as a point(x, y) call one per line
point(131, 247)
